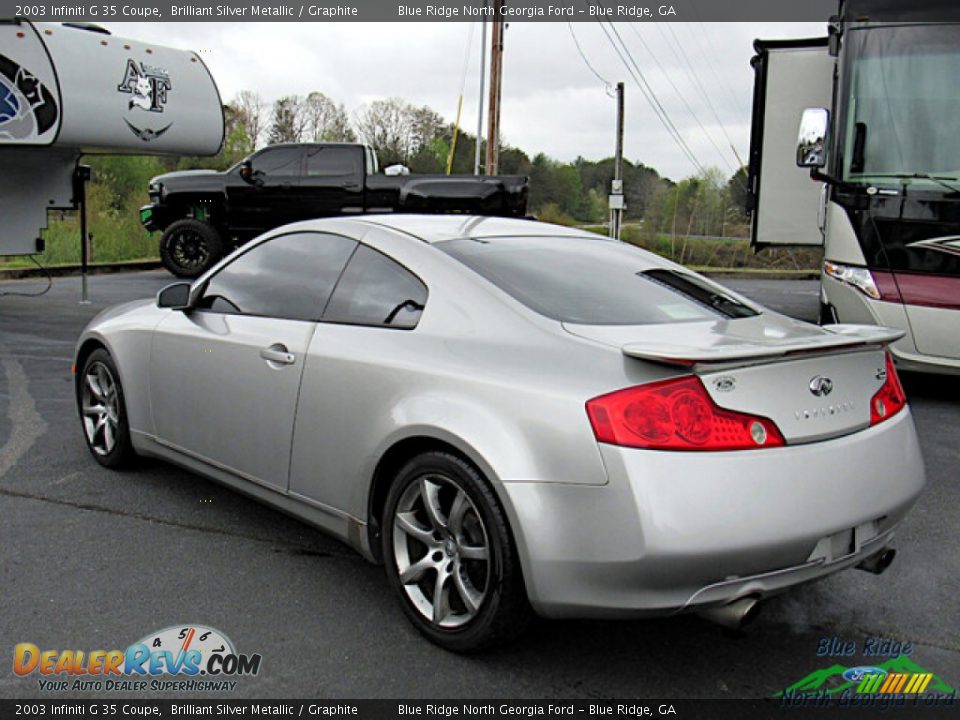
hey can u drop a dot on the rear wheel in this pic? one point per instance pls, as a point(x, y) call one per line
point(103, 411)
point(188, 247)
point(450, 557)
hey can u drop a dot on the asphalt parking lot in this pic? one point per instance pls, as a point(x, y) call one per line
point(92, 559)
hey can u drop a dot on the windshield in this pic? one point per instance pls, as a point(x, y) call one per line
point(902, 101)
point(593, 282)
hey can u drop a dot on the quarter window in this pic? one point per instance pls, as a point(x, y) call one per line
point(289, 276)
point(375, 290)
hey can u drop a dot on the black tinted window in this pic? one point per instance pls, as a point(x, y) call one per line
point(582, 280)
point(279, 161)
point(375, 290)
point(333, 161)
point(290, 276)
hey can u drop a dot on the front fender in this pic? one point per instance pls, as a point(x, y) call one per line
point(125, 331)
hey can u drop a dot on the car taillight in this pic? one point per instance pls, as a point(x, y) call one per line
point(676, 414)
point(890, 399)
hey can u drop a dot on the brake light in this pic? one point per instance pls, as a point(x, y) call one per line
point(676, 414)
point(890, 399)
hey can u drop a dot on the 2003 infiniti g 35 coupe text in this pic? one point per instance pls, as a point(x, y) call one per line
point(513, 416)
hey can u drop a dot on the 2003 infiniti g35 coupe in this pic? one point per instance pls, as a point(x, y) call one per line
point(512, 415)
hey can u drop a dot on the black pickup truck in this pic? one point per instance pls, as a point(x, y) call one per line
point(204, 214)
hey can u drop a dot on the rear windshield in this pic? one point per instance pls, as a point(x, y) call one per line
point(592, 282)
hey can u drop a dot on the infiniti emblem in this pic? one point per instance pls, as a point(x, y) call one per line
point(821, 386)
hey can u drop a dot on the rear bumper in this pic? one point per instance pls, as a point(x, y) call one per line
point(677, 531)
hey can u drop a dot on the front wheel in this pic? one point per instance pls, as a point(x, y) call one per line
point(188, 248)
point(450, 557)
point(103, 411)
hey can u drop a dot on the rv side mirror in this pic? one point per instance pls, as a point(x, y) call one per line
point(812, 138)
point(175, 297)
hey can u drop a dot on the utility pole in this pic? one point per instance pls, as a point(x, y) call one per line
point(81, 176)
point(617, 204)
point(483, 77)
point(496, 77)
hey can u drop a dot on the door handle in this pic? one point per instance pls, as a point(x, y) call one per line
point(278, 354)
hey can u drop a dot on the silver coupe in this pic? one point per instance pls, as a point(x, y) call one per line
point(515, 418)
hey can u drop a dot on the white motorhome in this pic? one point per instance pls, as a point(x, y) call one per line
point(72, 89)
point(875, 174)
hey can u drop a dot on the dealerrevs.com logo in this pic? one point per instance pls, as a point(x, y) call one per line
point(179, 658)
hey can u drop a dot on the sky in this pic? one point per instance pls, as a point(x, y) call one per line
point(552, 101)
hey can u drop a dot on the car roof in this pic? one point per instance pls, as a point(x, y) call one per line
point(435, 228)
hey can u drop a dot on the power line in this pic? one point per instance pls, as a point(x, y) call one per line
point(720, 153)
point(586, 62)
point(650, 96)
point(728, 94)
point(692, 74)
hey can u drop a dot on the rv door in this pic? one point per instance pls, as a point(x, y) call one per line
point(790, 75)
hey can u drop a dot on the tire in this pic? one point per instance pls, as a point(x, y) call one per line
point(459, 602)
point(188, 248)
point(103, 411)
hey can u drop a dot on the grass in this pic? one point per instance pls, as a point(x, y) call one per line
point(721, 253)
point(118, 236)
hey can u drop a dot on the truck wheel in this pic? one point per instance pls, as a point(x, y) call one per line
point(190, 247)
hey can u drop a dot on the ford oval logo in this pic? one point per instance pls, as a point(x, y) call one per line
point(855, 674)
point(821, 386)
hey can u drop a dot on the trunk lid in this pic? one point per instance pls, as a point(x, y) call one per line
point(814, 383)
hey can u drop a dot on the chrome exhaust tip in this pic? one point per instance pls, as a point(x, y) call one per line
point(879, 561)
point(733, 615)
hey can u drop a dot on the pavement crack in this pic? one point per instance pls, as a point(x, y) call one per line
point(278, 546)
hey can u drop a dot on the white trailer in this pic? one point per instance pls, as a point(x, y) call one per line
point(71, 89)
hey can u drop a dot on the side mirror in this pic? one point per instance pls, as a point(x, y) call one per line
point(813, 137)
point(175, 297)
point(246, 170)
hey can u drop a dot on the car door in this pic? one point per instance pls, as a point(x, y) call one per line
point(224, 377)
point(351, 378)
point(269, 197)
point(332, 182)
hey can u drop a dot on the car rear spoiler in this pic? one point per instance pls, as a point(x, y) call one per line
point(836, 337)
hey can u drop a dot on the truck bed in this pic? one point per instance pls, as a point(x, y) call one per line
point(481, 195)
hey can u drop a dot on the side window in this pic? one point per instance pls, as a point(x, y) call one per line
point(375, 290)
point(289, 276)
point(279, 161)
point(333, 161)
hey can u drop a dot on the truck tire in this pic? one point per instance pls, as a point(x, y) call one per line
point(188, 247)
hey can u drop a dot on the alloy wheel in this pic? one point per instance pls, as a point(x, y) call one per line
point(189, 249)
point(442, 551)
point(101, 408)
